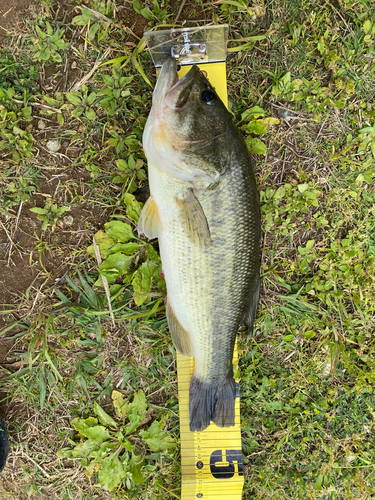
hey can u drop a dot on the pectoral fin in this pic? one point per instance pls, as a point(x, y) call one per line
point(193, 218)
point(149, 221)
point(180, 337)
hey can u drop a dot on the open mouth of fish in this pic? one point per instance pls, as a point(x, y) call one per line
point(170, 90)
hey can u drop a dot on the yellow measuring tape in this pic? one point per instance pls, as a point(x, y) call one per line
point(211, 461)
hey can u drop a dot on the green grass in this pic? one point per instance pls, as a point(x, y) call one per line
point(307, 376)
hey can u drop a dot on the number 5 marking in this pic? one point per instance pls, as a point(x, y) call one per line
point(226, 471)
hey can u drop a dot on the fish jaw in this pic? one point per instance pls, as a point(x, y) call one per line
point(167, 79)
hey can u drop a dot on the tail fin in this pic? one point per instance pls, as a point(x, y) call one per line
point(213, 400)
point(4, 444)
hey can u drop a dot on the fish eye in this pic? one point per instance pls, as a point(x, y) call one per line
point(208, 97)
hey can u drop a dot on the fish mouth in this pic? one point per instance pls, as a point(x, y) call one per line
point(179, 94)
point(169, 89)
point(167, 79)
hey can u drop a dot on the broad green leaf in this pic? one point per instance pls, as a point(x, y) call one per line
point(152, 253)
point(65, 453)
point(268, 122)
point(84, 448)
point(286, 78)
point(120, 179)
point(155, 6)
point(288, 338)
point(97, 433)
point(137, 6)
point(240, 5)
point(120, 404)
point(79, 20)
point(156, 439)
point(111, 473)
point(136, 411)
point(88, 427)
point(255, 127)
point(119, 230)
point(142, 281)
point(135, 468)
point(122, 165)
point(318, 482)
point(133, 207)
point(367, 130)
point(42, 35)
point(74, 98)
point(309, 334)
point(302, 188)
point(256, 146)
point(88, 15)
point(104, 242)
point(126, 248)
point(103, 417)
point(92, 32)
point(103, 449)
point(260, 126)
point(304, 266)
point(37, 210)
point(366, 26)
point(252, 113)
point(310, 244)
point(132, 142)
point(125, 442)
point(90, 114)
point(117, 262)
point(280, 193)
point(146, 14)
point(52, 102)
point(91, 98)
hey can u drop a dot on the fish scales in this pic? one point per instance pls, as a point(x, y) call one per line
point(211, 286)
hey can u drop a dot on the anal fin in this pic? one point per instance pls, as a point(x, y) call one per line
point(180, 337)
point(193, 218)
point(149, 221)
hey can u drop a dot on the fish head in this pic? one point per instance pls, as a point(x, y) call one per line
point(185, 135)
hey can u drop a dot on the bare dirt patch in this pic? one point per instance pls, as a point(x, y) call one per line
point(11, 12)
point(24, 264)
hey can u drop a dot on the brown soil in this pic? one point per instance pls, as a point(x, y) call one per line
point(12, 11)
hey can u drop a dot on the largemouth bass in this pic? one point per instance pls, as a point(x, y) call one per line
point(204, 210)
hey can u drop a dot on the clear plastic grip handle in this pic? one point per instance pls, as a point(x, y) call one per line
point(199, 45)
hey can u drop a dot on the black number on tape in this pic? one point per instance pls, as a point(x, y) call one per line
point(226, 471)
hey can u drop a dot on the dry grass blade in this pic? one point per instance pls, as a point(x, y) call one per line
point(37, 105)
point(77, 86)
point(97, 14)
point(104, 279)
